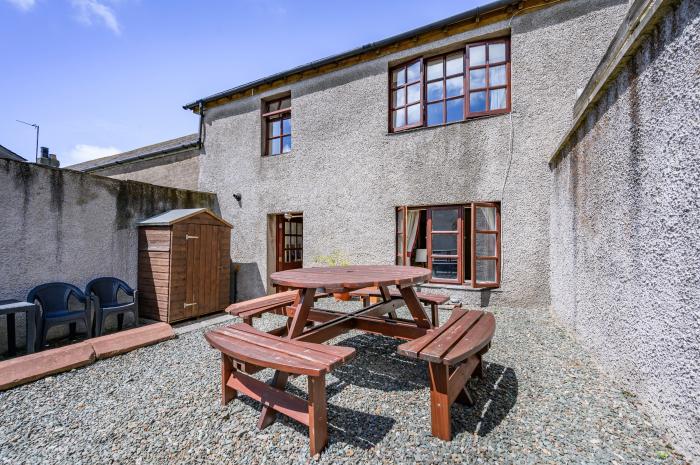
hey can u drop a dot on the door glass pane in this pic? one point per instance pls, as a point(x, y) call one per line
point(398, 77)
point(287, 227)
point(455, 64)
point(497, 99)
point(444, 244)
point(497, 76)
point(399, 221)
point(413, 72)
point(477, 78)
point(455, 110)
point(413, 93)
point(413, 113)
point(455, 86)
point(445, 219)
point(477, 101)
point(399, 97)
point(399, 115)
point(486, 218)
point(274, 147)
point(445, 268)
point(497, 53)
point(477, 55)
point(485, 271)
point(435, 91)
point(286, 242)
point(435, 69)
point(485, 245)
point(435, 114)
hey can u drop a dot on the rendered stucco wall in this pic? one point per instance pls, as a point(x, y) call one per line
point(62, 225)
point(347, 175)
point(625, 228)
point(180, 170)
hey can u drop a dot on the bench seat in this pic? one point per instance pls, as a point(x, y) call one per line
point(249, 309)
point(429, 299)
point(454, 353)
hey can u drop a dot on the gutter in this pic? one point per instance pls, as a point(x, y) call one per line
point(158, 154)
point(474, 13)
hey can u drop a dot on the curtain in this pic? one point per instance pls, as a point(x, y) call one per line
point(411, 230)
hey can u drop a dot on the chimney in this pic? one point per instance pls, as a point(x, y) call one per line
point(47, 159)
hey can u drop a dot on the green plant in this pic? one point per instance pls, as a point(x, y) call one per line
point(336, 258)
point(661, 454)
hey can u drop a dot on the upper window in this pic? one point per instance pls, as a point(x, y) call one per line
point(442, 89)
point(277, 119)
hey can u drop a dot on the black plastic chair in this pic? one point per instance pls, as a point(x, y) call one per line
point(105, 292)
point(54, 304)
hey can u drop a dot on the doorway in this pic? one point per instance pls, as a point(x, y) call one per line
point(289, 241)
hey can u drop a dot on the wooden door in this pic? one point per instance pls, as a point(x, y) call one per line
point(290, 242)
point(202, 270)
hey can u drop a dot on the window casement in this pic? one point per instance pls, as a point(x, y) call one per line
point(458, 243)
point(462, 84)
point(277, 122)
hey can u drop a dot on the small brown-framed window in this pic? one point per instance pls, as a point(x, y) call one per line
point(444, 89)
point(405, 106)
point(488, 77)
point(486, 244)
point(277, 118)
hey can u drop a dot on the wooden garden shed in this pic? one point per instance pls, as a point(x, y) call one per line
point(184, 265)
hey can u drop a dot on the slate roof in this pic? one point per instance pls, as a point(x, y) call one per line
point(161, 148)
point(7, 153)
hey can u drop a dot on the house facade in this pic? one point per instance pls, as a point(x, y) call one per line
point(429, 148)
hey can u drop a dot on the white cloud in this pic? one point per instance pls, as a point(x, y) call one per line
point(24, 5)
point(85, 152)
point(89, 10)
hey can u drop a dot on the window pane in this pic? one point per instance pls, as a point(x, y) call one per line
point(399, 259)
point(273, 106)
point(287, 227)
point(485, 245)
point(274, 147)
point(399, 118)
point(413, 93)
point(497, 53)
point(477, 55)
point(444, 244)
point(455, 86)
point(399, 244)
point(413, 72)
point(435, 69)
point(399, 221)
point(445, 219)
point(285, 103)
point(287, 126)
point(445, 268)
point(497, 76)
point(455, 64)
point(275, 128)
point(435, 114)
point(477, 101)
point(286, 144)
point(398, 99)
point(398, 77)
point(435, 91)
point(455, 110)
point(413, 114)
point(485, 271)
point(486, 218)
point(497, 99)
point(477, 78)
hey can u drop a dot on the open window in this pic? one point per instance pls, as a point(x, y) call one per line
point(458, 243)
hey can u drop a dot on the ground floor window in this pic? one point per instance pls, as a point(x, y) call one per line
point(458, 243)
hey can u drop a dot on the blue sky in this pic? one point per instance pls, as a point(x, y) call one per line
point(104, 76)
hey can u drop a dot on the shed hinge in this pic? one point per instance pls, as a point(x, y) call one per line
point(187, 236)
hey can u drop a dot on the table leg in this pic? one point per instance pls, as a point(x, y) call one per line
point(415, 307)
point(11, 343)
point(386, 295)
point(31, 329)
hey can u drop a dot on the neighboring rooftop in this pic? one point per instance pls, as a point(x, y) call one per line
point(150, 151)
point(7, 153)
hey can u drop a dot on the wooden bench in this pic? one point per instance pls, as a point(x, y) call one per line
point(241, 344)
point(429, 299)
point(454, 353)
point(269, 303)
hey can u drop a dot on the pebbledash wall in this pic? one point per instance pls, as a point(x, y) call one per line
point(63, 225)
point(625, 227)
point(347, 174)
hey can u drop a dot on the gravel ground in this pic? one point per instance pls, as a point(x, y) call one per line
point(542, 401)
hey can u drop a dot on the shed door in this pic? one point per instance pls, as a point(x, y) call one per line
point(202, 269)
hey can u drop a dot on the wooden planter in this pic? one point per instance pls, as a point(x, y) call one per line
point(184, 265)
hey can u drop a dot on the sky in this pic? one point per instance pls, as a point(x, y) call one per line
point(106, 76)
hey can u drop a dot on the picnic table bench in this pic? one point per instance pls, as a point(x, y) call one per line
point(274, 303)
point(454, 353)
point(430, 299)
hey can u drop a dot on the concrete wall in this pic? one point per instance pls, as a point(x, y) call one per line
point(625, 228)
point(179, 170)
point(62, 225)
point(347, 174)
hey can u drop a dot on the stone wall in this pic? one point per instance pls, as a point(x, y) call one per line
point(62, 225)
point(625, 228)
point(347, 174)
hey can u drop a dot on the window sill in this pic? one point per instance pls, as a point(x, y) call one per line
point(423, 128)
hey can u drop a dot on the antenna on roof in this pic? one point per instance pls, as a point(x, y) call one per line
point(35, 126)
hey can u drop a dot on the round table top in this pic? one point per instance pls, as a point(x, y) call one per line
point(349, 278)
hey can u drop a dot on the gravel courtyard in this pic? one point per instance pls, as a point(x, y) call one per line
point(542, 402)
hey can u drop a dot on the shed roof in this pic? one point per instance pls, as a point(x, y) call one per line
point(175, 216)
